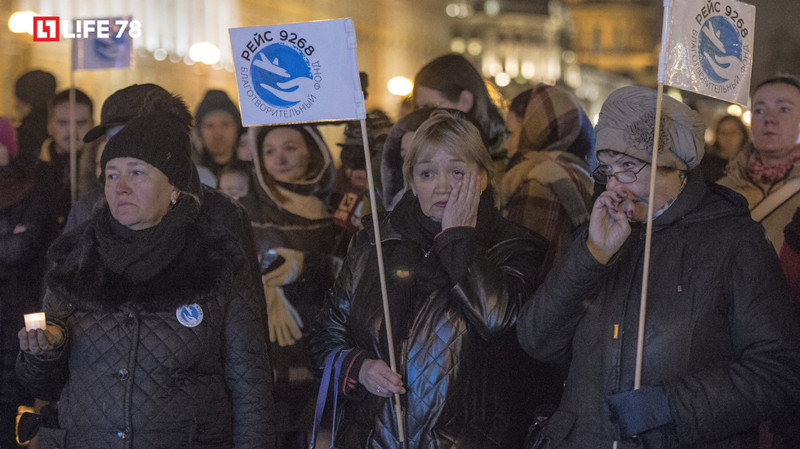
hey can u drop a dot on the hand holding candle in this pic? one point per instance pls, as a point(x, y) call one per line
point(37, 336)
point(35, 321)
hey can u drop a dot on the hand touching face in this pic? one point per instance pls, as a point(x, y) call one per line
point(448, 188)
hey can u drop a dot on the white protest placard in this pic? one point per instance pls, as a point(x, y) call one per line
point(298, 72)
point(710, 48)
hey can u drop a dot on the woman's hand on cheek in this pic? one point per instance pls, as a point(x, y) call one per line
point(608, 227)
point(462, 206)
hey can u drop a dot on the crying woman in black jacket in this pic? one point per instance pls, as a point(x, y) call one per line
point(457, 274)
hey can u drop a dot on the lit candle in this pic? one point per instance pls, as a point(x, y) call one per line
point(35, 321)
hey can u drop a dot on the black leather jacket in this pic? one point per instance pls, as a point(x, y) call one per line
point(455, 348)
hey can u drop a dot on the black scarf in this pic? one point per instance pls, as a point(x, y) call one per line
point(140, 255)
point(414, 271)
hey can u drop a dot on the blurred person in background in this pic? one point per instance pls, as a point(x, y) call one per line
point(547, 186)
point(235, 179)
point(730, 136)
point(32, 93)
point(295, 240)
point(452, 82)
point(53, 169)
point(219, 125)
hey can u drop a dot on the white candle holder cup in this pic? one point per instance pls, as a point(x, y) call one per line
point(35, 321)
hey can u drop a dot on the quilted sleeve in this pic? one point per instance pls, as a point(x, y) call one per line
point(247, 368)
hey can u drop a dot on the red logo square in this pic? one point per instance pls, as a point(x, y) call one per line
point(46, 29)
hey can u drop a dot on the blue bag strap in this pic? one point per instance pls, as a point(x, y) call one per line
point(335, 357)
point(337, 369)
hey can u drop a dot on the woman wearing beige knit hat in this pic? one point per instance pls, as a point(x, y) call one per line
point(720, 351)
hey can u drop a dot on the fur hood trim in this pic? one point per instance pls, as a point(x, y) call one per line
point(202, 271)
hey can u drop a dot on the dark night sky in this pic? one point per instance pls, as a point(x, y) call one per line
point(777, 39)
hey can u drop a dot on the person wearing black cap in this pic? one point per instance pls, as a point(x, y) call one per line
point(136, 99)
point(219, 125)
point(32, 92)
point(151, 338)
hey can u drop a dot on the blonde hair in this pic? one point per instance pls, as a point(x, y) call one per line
point(452, 132)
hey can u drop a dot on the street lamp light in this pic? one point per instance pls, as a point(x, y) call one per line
point(204, 52)
point(400, 85)
point(21, 22)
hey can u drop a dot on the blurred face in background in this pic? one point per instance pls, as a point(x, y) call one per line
point(285, 155)
point(220, 135)
point(243, 152)
point(58, 125)
point(432, 98)
point(730, 138)
point(234, 184)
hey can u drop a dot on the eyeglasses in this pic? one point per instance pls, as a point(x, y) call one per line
point(625, 176)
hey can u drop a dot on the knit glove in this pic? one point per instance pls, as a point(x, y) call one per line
point(283, 320)
point(637, 411)
point(281, 266)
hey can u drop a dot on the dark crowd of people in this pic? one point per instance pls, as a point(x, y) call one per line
point(200, 278)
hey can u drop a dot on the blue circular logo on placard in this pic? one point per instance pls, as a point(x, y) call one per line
point(720, 49)
point(190, 315)
point(281, 75)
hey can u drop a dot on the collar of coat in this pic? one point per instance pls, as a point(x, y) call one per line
point(699, 202)
point(200, 273)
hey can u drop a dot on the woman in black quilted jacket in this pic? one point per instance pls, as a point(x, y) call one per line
point(152, 338)
point(457, 274)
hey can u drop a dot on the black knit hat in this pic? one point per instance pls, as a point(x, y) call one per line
point(135, 100)
point(161, 140)
point(36, 87)
point(216, 100)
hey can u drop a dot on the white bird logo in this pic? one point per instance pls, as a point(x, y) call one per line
point(292, 90)
point(726, 66)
